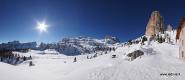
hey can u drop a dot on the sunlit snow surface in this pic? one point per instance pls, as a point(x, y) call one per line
point(158, 59)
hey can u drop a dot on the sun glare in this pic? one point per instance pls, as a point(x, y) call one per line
point(42, 26)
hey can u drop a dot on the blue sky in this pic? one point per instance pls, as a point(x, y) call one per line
point(125, 19)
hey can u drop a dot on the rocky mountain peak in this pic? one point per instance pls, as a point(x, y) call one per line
point(155, 24)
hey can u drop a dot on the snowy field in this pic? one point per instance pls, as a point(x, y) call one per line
point(157, 59)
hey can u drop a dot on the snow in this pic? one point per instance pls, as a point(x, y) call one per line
point(157, 59)
point(50, 51)
point(17, 45)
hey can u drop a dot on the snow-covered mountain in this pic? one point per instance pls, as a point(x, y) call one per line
point(67, 46)
point(16, 45)
point(81, 45)
point(153, 56)
point(159, 62)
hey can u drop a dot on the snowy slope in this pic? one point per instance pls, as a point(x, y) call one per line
point(157, 59)
point(162, 60)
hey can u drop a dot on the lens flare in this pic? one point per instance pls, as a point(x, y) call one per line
point(42, 26)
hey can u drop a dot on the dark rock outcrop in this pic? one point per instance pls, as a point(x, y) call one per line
point(135, 54)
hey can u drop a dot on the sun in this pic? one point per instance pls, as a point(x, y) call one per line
point(42, 26)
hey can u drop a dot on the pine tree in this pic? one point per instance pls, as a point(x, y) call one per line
point(144, 39)
point(129, 42)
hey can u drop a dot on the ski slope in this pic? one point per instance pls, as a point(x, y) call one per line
point(157, 59)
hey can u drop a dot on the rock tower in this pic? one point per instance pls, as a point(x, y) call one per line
point(155, 24)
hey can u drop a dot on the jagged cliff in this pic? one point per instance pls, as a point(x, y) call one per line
point(155, 24)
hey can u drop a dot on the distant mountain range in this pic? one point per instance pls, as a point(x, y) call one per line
point(67, 46)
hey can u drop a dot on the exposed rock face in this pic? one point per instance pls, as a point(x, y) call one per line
point(181, 25)
point(81, 45)
point(16, 45)
point(135, 54)
point(155, 24)
point(111, 39)
point(180, 36)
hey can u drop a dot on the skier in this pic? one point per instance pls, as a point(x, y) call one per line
point(31, 63)
point(75, 59)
